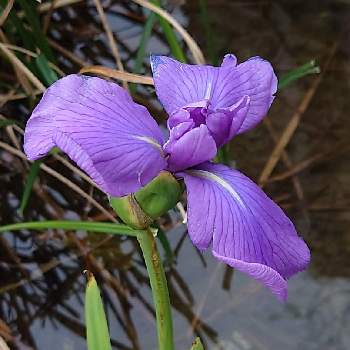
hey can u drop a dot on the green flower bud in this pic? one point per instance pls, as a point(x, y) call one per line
point(139, 209)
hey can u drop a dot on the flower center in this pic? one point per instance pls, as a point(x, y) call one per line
point(198, 114)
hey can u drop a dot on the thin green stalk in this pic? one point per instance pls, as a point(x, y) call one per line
point(159, 289)
point(102, 227)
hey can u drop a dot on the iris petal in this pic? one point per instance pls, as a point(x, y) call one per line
point(188, 147)
point(97, 124)
point(247, 229)
point(178, 85)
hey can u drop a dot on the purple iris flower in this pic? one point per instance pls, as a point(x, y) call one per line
point(121, 147)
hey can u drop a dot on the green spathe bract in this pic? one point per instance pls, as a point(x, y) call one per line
point(160, 195)
point(139, 209)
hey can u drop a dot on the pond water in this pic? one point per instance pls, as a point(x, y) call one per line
point(42, 286)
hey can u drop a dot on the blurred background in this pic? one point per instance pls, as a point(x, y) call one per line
point(299, 154)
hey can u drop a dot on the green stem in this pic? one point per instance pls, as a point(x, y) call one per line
point(159, 289)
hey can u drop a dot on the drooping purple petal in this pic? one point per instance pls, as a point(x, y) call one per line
point(247, 229)
point(187, 147)
point(97, 124)
point(178, 85)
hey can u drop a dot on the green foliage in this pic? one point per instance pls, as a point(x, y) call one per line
point(210, 40)
point(49, 76)
point(163, 239)
point(31, 177)
point(33, 19)
point(141, 51)
point(297, 73)
point(197, 344)
point(169, 33)
point(7, 122)
point(96, 324)
point(35, 40)
point(103, 227)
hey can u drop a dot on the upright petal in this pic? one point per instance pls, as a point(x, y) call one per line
point(97, 124)
point(178, 85)
point(254, 78)
point(248, 230)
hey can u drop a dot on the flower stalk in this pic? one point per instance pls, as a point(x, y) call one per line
point(159, 289)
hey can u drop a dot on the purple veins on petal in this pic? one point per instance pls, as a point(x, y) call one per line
point(188, 146)
point(247, 230)
point(180, 85)
point(97, 124)
point(196, 132)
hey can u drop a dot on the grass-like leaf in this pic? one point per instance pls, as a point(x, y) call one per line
point(48, 74)
point(40, 38)
point(297, 73)
point(141, 51)
point(96, 323)
point(170, 36)
point(163, 239)
point(103, 227)
point(31, 177)
point(7, 122)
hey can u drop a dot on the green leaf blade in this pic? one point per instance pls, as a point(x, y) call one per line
point(103, 227)
point(197, 344)
point(297, 73)
point(49, 75)
point(96, 323)
point(7, 122)
point(33, 173)
point(170, 36)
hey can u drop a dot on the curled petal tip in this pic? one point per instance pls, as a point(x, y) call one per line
point(155, 61)
point(230, 60)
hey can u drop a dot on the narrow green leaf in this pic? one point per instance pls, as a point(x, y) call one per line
point(33, 19)
point(96, 323)
point(103, 227)
point(141, 51)
point(48, 74)
point(14, 24)
point(163, 239)
point(297, 73)
point(210, 40)
point(197, 345)
point(33, 173)
point(7, 122)
point(172, 40)
point(147, 31)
